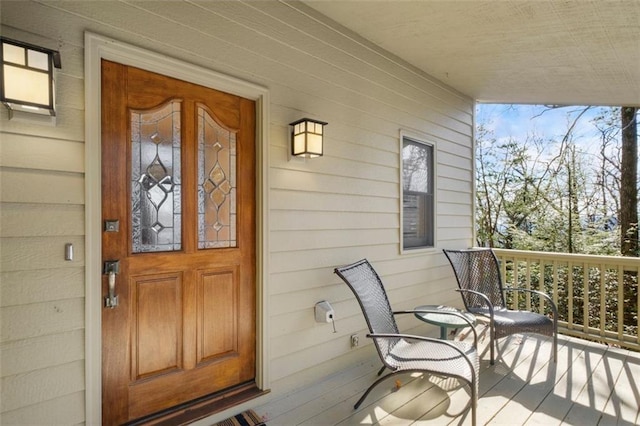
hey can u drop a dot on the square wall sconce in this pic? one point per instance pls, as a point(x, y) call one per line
point(26, 77)
point(306, 138)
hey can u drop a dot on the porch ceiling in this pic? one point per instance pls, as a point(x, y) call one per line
point(581, 52)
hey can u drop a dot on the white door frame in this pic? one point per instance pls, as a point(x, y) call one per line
point(97, 48)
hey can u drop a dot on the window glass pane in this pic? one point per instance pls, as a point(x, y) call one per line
point(416, 167)
point(155, 179)
point(38, 60)
point(418, 207)
point(417, 220)
point(217, 183)
point(13, 54)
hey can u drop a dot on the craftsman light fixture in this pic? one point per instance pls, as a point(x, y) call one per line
point(26, 77)
point(306, 138)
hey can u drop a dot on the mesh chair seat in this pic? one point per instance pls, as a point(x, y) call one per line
point(406, 353)
point(435, 358)
point(478, 275)
point(508, 322)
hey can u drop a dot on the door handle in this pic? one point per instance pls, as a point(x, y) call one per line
point(111, 268)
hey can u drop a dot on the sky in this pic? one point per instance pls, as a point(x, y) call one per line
point(518, 121)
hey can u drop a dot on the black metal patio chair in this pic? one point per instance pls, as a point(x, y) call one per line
point(480, 284)
point(402, 353)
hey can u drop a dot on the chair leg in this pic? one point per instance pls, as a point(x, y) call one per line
point(364, 395)
point(474, 403)
point(493, 344)
point(555, 347)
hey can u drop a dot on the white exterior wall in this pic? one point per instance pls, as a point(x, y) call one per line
point(321, 213)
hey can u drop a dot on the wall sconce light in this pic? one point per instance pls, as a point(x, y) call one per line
point(306, 138)
point(26, 77)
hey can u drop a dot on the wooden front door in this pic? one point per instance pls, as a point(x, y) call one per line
point(178, 205)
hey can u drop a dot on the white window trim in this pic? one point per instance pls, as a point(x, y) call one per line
point(96, 48)
point(421, 138)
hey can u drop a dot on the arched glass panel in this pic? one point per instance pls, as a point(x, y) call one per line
point(217, 183)
point(155, 179)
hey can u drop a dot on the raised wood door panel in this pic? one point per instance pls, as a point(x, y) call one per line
point(217, 314)
point(156, 331)
point(184, 327)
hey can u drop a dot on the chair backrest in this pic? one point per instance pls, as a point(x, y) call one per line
point(478, 270)
point(367, 286)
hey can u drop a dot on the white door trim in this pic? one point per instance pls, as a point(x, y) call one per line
point(97, 48)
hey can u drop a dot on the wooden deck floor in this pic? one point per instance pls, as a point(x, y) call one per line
point(591, 384)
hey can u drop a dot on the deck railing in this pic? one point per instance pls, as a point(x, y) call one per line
point(597, 296)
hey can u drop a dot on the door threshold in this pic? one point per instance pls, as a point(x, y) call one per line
point(200, 408)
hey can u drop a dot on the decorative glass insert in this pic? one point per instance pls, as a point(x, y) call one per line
point(155, 179)
point(216, 183)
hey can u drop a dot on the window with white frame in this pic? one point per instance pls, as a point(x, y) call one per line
point(418, 200)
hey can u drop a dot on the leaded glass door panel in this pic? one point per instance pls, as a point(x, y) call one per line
point(217, 180)
point(178, 178)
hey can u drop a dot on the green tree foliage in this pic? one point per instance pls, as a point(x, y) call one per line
point(551, 194)
point(560, 194)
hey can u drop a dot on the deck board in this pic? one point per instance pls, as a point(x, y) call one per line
point(558, 403)
point(590, 384)
point(593, 397)
point(513, 372)
point(538, 386)
point(623, 406)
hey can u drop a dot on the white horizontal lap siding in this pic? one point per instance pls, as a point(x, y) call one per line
point(345, 206)
point(41, 210)
point(322, 213)
point(67, 410)
point(455, 195)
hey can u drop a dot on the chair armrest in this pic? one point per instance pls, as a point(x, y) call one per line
point(541, 294)
point(426, 339)
point(483, 297)
point(432, 311)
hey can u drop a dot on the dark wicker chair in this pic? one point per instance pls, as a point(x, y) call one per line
point(478, 274)
point(403, 353)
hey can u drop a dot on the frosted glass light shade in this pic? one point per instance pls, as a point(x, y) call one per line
point(307, 138)
point(26, 77)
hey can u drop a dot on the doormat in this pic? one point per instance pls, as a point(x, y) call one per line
point(247, 418)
